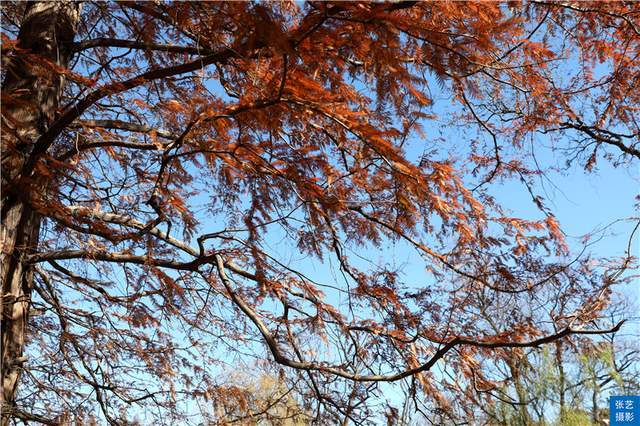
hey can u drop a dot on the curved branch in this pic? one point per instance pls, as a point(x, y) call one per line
point(43, 143)
point(282, 359)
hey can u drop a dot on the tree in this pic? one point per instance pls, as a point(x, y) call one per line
point(154, 153)
point(263, 399)
point(46, 31)
point(566, 383)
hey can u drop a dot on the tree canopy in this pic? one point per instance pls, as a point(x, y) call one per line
point(188, 187)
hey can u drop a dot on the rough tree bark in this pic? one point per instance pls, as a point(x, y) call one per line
point(30, 95)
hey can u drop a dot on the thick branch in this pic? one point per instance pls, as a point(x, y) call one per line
point(123, 125)
point(134, 44)
point(596, 134)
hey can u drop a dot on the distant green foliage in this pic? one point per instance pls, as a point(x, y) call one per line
point(574, 417)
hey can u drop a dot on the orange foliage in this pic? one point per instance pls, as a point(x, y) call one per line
point(232, 146)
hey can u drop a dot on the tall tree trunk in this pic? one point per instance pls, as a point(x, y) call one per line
point(515, 363)
point(30, 96)
point(561, 379)
point(594, 402)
